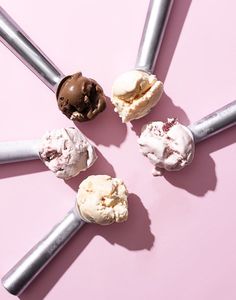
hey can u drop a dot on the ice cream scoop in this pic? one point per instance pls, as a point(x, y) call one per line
point(102, 200)
point(79, 98)
point(170, 145)
point(66, 152)
point(24, 272)
point(136, 92)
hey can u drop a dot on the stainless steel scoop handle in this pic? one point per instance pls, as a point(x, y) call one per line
point(18, 151)
point(13, 37)
point(23, 273)
point(214, 123)
point(153, 32)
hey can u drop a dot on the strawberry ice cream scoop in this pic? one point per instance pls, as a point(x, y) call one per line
point(171, 145)
point(66, 152)
point(168, 146)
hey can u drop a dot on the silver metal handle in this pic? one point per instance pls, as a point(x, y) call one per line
point(18, 151)
point(214, 123)
point(12, 36)
point(153, 32)
point(23, 273)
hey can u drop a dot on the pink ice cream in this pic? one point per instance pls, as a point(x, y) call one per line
point(66, 152)
point(168, 146)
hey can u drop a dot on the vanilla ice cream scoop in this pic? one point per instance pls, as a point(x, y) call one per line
point(66, 152)
point(102, 199)
point(136, 92)
point(168, 146)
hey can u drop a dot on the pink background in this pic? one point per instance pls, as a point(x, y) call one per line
point(179, 242)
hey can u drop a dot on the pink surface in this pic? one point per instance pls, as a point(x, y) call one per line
point(179, 242)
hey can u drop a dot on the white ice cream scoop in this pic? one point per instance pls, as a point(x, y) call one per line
point(66, 152)
point(135, 92)
point(170, 145)
point(111, 206)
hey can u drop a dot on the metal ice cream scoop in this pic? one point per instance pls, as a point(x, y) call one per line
point(79, 98)
point(153, 33)
point(65, 151)
point(24, 272)
point(136, 92)
point(170, 145)
point(214, 123)
point(101, 199)
point(18, 151)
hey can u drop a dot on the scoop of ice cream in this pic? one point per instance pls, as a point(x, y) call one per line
point(168, 146)
point(66, 152)
point(134, 93)
point(102, 199)
point(80, 98)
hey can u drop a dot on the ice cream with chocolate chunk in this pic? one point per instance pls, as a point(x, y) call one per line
point(80, 98)
point(168, 145)
point(102, 199)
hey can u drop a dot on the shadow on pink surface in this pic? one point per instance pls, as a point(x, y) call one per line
point(200, 177)
point(166, 109)
point(100, 167)
point(106, 129)
point(21, 168)
point(134, 235)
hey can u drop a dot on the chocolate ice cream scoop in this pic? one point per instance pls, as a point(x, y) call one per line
point(80, 98)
